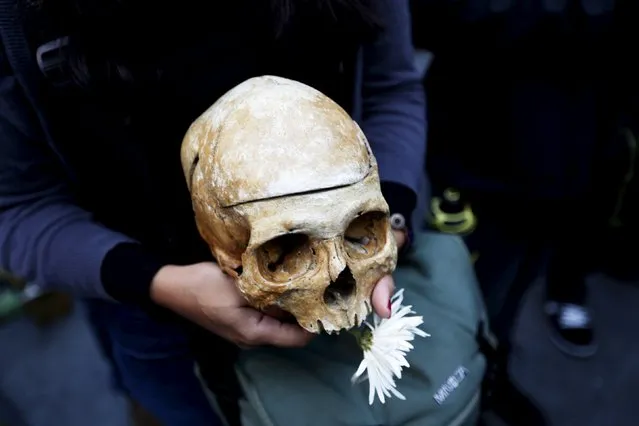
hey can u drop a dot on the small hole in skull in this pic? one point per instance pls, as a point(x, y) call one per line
point(341, 289)
point(196, 160)
point(239, 270)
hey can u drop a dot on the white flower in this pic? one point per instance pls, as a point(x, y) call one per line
point(385, 344)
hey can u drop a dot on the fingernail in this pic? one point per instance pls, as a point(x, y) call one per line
point(389, 308)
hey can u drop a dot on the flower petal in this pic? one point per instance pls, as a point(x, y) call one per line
point(385, 357)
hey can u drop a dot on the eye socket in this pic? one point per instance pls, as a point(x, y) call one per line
point(285, 257)
point(366, 235)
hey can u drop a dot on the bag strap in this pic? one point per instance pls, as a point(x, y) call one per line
point(17, 50)
point(14, 41)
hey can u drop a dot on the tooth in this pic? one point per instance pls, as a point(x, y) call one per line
point(329, 327)
point(363, 313)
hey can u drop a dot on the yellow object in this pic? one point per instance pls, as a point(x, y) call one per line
point(460, 223)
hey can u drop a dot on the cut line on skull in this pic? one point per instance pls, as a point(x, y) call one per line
point(286, 193)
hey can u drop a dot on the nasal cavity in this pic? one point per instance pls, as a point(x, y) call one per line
point(341, 289)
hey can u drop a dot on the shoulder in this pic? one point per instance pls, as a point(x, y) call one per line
point(18, 70)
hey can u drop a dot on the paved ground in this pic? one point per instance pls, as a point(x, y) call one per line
point(601, 391)
point(55, 376)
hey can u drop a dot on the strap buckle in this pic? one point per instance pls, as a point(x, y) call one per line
point(50, 59)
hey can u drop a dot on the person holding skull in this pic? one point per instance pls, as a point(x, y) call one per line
point(94, 200)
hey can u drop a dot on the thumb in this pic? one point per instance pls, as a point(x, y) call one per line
point(381, 296)
point(266, 330)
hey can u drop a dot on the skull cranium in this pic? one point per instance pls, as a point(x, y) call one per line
point(286, 193)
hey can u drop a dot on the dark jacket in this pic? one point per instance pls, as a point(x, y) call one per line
point(78, 192)
point(526, 99)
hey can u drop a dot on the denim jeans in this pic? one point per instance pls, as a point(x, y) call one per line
point(153, 364)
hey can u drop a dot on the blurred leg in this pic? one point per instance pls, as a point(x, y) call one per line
point(566, 308)
point(55, 375)
point(155, 365)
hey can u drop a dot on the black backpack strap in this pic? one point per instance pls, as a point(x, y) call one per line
point(25, 69)
point(17, 50)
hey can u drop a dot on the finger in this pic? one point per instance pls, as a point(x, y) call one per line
point(278, 313)
point(381, 296)
point(400, 238)
point(262, 329)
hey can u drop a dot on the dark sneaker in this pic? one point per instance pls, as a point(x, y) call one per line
point(571, 329)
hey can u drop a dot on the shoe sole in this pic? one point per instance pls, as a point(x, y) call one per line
point(575, 351)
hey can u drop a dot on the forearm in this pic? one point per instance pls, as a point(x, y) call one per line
point(56, 246)
point(393, 110)
point(45, 237)
point(394, 123)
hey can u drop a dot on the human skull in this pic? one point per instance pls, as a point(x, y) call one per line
point(286, 193)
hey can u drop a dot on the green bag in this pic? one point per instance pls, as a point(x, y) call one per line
point(311, 386)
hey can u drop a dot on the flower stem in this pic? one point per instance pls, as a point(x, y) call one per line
point(364, 338)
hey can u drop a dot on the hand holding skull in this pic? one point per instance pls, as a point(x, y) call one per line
point(286, 193)
point(207, 296)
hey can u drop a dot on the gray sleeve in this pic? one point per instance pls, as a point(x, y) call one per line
point(393, 106)
point(44, 237)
